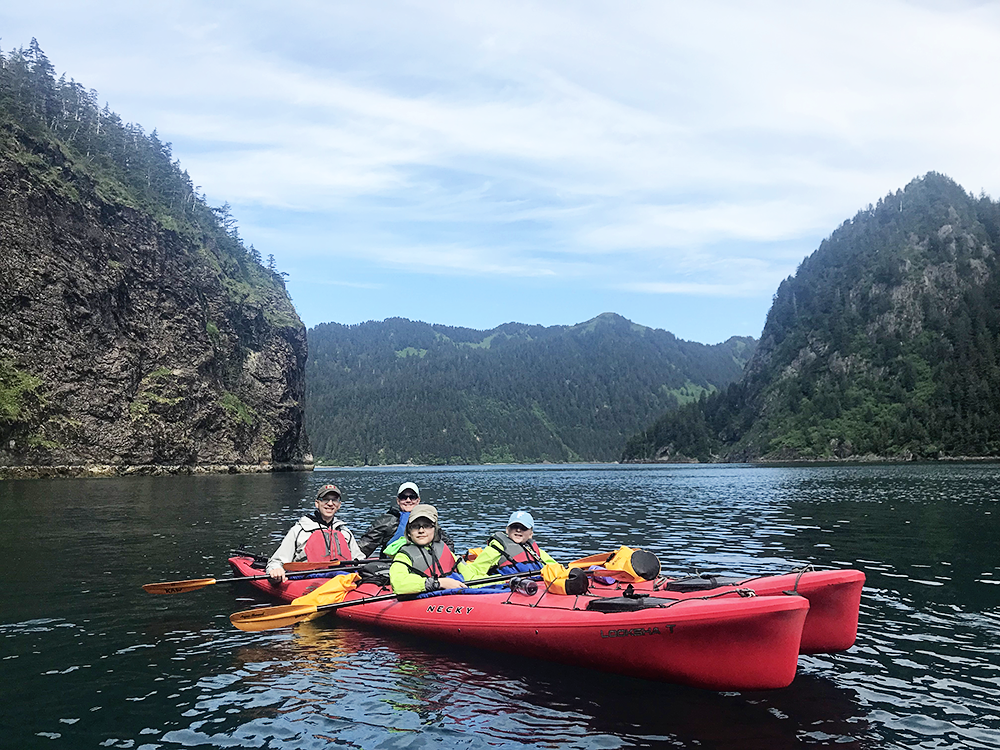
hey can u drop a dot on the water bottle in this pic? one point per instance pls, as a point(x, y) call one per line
point(524, 586)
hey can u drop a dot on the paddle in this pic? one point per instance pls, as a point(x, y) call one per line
point(194, 584)
point(295, 567)
point(268, 618)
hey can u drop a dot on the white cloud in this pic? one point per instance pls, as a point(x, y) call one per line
point(668, 148)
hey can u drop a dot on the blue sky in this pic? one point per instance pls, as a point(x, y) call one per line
point(474, 163)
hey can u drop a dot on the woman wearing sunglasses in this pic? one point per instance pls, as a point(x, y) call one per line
point(318, 537)
point(391, 526)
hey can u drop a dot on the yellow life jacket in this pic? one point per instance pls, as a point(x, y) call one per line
point(641, 565)
point(559, 580)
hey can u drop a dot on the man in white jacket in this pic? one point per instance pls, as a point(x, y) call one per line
point(318, 537)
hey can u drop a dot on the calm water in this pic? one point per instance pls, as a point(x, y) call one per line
point(87, 659)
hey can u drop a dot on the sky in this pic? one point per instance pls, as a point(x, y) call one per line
point(475, 163)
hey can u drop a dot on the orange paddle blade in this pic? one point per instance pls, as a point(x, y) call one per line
point(177, 587)
point(268, 618)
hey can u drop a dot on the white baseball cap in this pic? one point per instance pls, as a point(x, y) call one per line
point(407, 486)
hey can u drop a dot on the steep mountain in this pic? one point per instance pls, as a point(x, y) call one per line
point(137, 332)
point(400, 391)
point(885, 343)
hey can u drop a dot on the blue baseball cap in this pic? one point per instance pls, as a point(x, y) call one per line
point(522, 517)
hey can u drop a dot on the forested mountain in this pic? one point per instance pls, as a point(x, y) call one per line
point(399, 391)
point(137, 331)
point(885, 343)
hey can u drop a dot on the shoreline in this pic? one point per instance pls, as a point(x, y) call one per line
point(94, 471)
point(828, 460)
point(97, 471)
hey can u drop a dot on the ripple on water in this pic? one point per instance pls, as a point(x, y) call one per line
point(102, 664)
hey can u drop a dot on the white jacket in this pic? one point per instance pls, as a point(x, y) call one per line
point(293, 546)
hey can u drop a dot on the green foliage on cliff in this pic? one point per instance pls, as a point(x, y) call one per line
point(398, 391)
point(237, 409)
point(20, 394)
point(885, 343)
point(57, 130)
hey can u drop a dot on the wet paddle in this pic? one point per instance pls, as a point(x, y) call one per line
point(268, 618)
point(295, 569)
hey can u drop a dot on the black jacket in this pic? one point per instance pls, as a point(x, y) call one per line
point(381, 532)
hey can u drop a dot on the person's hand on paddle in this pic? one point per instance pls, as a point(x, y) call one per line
point(277, 574)
point(451, 583)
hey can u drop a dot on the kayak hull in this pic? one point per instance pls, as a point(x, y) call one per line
point(723, 643)
point(834, 601)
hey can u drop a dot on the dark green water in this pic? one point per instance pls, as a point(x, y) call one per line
point(87, 659)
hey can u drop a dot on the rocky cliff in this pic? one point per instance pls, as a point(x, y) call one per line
point(130, 339)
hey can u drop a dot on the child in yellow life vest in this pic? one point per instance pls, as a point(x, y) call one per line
point(424, 562)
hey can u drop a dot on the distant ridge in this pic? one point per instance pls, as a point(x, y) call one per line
point(401, 391)
point(885, 344)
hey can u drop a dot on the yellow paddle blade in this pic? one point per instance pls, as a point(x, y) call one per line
point(177, 587)
point(269, 618)
point(332, 592)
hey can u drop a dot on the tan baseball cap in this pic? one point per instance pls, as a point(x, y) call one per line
point(423, 511)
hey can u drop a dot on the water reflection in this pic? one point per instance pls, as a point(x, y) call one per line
point(333, 678)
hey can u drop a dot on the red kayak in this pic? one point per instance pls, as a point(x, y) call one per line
point(723, 643)
point(291, 589)
point(834, 599)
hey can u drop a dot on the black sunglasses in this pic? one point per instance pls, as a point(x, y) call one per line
point(407, 496)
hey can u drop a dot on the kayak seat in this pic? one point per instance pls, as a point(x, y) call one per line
point(376, 572)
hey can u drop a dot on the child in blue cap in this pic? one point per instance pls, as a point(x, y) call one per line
point(511, 551)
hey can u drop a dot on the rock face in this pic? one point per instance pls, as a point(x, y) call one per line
point(126, 346)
